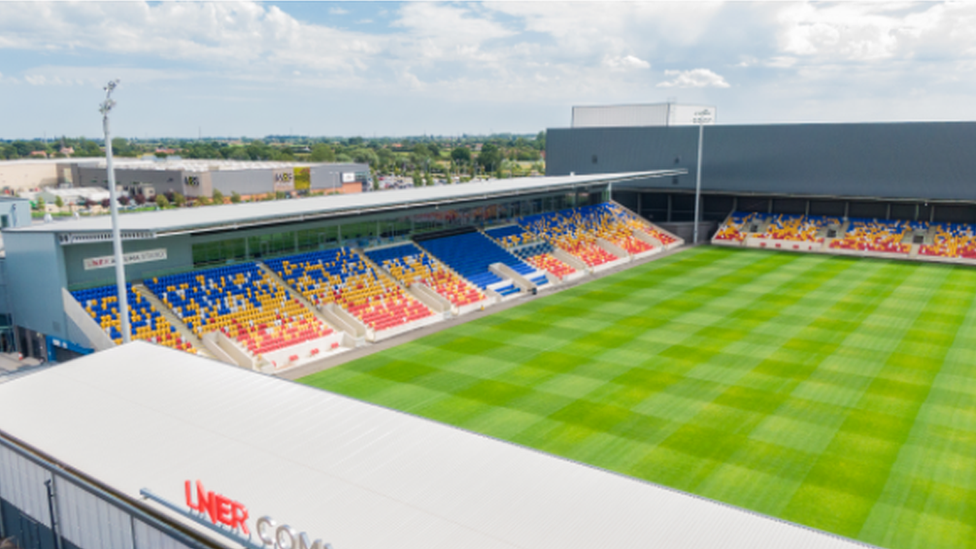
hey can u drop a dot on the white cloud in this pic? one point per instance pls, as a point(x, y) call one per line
point(625, 63)
point(864, 32)
point(801, 56)
point(338, 11)
point(694, 78)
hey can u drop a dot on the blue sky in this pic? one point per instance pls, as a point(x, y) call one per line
point(383, 68)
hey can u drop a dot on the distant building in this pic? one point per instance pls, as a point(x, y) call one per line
point(200, 178)
point(652, 114)
point(20, 175)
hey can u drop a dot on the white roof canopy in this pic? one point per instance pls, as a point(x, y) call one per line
point(237, 215)
point(356, 475)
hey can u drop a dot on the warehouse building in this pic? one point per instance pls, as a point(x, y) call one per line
point(141, 447)
point(200, 178)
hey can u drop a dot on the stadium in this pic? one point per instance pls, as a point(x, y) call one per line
point(802, 380)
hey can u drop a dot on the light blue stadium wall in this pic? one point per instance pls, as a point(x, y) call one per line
point(35, 275)
point(17, 210)
point(178, 258)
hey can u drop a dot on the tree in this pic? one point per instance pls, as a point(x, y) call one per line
point(124, 200)
point(235, 198)
point(365, 156)
point(429, 179)
point(322, 153)
point(140, 199)
point(490, 157)
point(106, 203)
point(417, 181)
point(40, 204)
point(162, 201)
point(202, 201)
point(461, 155)
point(386, 158)
point(179, 200)
point(218, 197)
point(420, 157)
point(59, 202)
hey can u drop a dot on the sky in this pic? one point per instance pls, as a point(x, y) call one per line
point(369, 69)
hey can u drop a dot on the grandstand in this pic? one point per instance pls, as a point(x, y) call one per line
point(288, 310)
point(273, 285)
point(915, 240)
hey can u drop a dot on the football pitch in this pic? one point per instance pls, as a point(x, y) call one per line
point(829, 391)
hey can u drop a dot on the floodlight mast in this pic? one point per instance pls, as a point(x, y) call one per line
point(105, 109)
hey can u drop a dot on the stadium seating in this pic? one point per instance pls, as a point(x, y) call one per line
point(342, 277)
point(511, 236)
point(797, 228)
point(540, 256)
point(538, 253)
point(567, 230)
point(953, 240)
point(145, 321)
point(243, 302)
point(735, 228)
point(872, 235)
point(470, 254)
point(408, 264)
point(635, 222)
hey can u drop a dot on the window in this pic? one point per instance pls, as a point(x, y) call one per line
point(219, 253)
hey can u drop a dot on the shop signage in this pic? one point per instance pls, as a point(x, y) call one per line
point(230, 517)
point(704, 117)
point(105, 261)
point(217, 507)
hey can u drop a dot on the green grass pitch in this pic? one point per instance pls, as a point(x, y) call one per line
point(829, 391)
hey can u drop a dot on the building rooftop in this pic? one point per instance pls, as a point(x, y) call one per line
point(200, 165)
point(234, 216)
point(347, 472)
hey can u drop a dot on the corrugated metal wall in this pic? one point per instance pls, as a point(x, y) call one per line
point(86, 520)
point(911, 160)
point(89, 521)
point(22, 484)
point(151, 538)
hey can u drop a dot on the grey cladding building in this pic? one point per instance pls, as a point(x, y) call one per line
point(912, 170)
